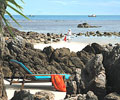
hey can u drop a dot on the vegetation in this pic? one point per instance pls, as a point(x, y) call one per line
point(14, 6)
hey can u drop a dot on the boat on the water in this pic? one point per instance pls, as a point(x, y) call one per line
point(31, 15)
point(93, 15)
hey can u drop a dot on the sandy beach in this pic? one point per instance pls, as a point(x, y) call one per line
point(73, 46)
point(33, 88)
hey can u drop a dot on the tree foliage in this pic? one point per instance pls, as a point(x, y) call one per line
point(12, 4)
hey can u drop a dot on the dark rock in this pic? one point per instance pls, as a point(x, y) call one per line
point(71, 88)
point(85, 56)
point(60, 53)
point(89, 49)
point(22, 95)
point(48, 51)
point(112, 96)
point(61, 35)
point(81, 97)
point(77, 62)
point(46, 42)
point(73, 54)
point(29, 45)
point(111, 64)
point(48, 34)
point(91, 96)
point(98, 48)
point(86, 25)
point(16, 49)
point(79, 34)
point(77, 78)
point(44, 95)
point(22, 58)
point(93, 76)
point(92, 33)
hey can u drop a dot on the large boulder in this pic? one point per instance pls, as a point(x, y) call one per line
point(84, 56)
point(97, 48)
point(48, 51)
point(44, 95)
point(89, 49)
point(77, 62)
point(89, 96)
point(78, 80)
point(93, 76)
point(58, 53)
point(112, 96)
point(71, 88)
point(22, 95)
point(111, 63)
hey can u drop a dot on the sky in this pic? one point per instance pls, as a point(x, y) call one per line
point(70, 7)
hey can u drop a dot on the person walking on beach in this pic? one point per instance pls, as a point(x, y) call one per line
point(69, 33)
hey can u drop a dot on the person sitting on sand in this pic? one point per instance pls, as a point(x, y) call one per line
point(69, 33)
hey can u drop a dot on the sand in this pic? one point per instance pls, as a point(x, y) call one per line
point(73, 46)
point(32, 87)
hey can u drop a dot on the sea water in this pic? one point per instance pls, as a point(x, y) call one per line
point(61, 23)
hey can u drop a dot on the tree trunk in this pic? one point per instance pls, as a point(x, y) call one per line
point(3, 95)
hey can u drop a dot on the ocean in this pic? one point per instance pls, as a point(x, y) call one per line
point(61, 23)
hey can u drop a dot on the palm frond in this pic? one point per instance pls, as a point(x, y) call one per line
point(11, 4)
point(17, 11)
point(6, 22)
point(15, 4)
point(13, 18)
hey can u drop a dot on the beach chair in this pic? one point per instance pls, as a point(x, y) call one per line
point(28, 76)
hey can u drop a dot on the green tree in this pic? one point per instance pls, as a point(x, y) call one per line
point(17, 8)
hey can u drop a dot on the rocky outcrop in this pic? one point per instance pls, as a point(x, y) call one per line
point(89, 96)
point(92, 78)
point(95, 68)
point(34, 37)
point(97, 48)
point(44, 95)
point(112, 96)
point(111, 63)
point(47, 61)
point(86, 25)
point(22, 95)
point(25, 95)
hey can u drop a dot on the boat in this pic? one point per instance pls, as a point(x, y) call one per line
point(93, 15)
point(31, 15)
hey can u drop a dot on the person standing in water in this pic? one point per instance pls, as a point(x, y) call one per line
point(69, 33)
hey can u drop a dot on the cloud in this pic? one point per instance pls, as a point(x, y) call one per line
point(65, 2)
point(60, 2)
point(110, 3)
